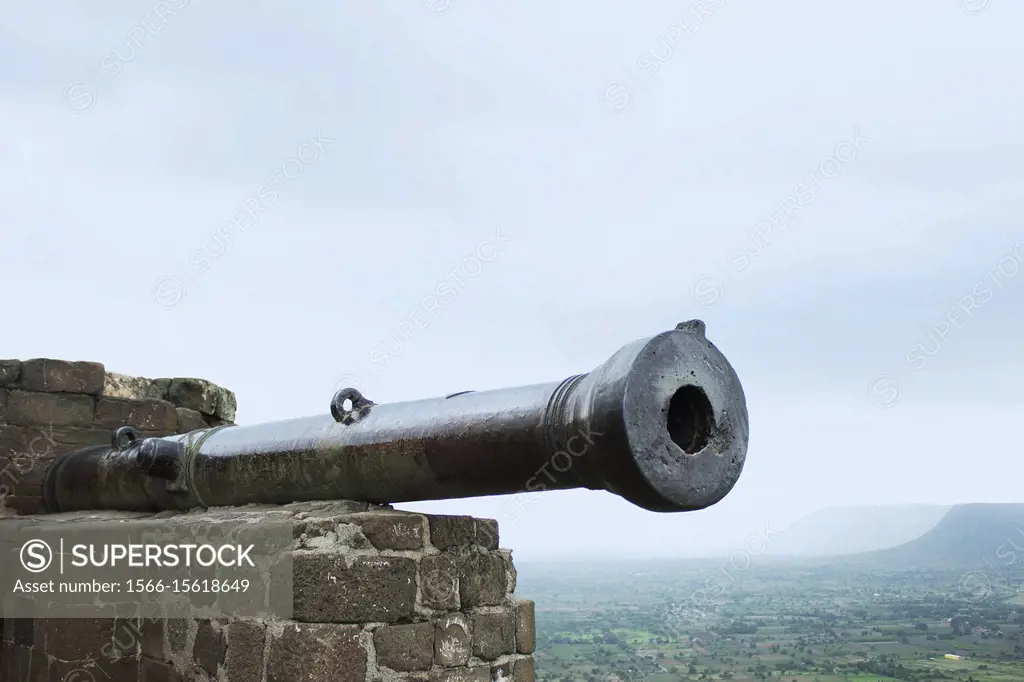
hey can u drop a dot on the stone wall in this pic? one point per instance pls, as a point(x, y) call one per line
point(379, 595)
point(48, 407)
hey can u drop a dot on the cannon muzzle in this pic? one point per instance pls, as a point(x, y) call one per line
point(662, 423)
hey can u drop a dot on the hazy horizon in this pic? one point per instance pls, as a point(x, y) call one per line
point(264, 196)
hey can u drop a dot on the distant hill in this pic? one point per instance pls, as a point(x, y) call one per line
point(968, 535)
point(838, 531)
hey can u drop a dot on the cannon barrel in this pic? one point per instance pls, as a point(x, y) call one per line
point(662, 423)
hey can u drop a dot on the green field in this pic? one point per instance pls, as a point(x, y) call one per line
point(674, 621)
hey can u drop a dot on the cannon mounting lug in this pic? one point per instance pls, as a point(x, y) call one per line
point(358, 406)
point(124, 437)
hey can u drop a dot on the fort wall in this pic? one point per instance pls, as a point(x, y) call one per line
point(377, 594)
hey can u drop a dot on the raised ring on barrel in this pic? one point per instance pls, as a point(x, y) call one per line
point(348, 405)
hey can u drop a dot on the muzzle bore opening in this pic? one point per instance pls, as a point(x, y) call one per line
point(690, 418)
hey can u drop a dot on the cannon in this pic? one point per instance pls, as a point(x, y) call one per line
point(662, 423)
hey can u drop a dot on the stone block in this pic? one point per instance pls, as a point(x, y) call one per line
point(41, 669)
point(22, 476)
point(151, 638)
point(76, 437)
point(23, 632)
point(328, 533)
point(23, 505)
point(119, 670)
point(177, 634)
point(13, 440)
point(482, 579)
point(227, 405)
point(195, 394)
point(210, 647)
point(246, 642)
point(61, 376)
point(451, 531)
point(26, 453)
point(526, 627)
point(494, 634)
point(327, 589)
point(10, 372)
point(487, 533)
point(145, 415)
point(155, 671)
point(392, 531)
point(448, 532)
point(26, 408)
point(405, 647)
point(317, 653)
point(189, 420)
point(15, 662)
point(511, 575)
point(133, 388)
point(480, 673)
point(160, 389)
point(125, 639)
point(26, 444)
point(453, 642)
point(439, 582)
point(522, 670)
point(74, 639)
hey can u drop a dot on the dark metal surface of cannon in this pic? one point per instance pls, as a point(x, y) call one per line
point(662, 423)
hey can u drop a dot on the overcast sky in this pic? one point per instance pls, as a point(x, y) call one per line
point(629, 159)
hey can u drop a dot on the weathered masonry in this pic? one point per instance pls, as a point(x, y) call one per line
point(378, 594)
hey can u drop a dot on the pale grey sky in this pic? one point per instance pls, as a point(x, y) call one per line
point(626, 153)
